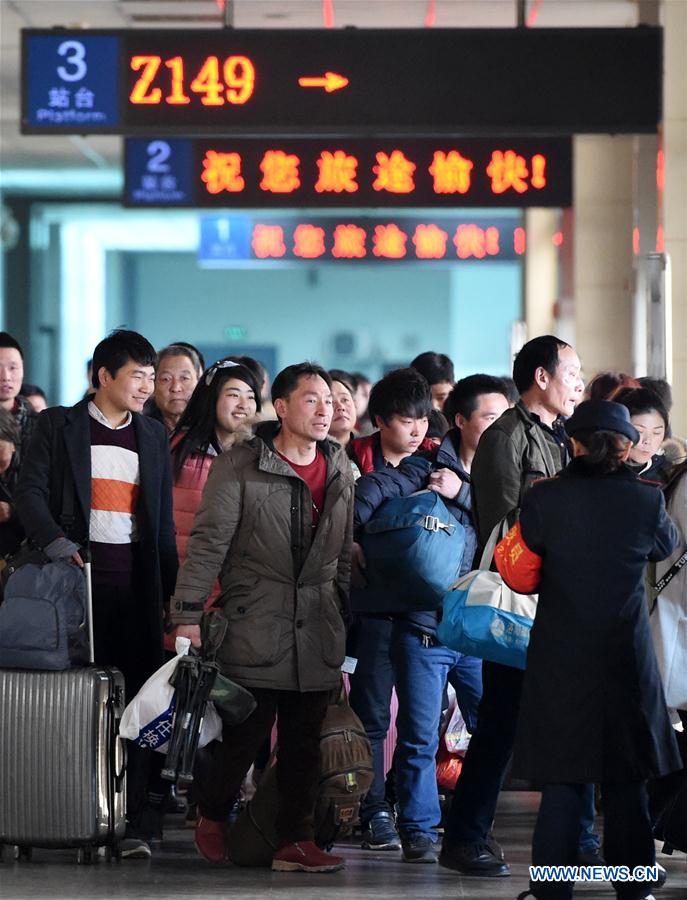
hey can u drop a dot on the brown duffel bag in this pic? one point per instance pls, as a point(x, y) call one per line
point(345, 777)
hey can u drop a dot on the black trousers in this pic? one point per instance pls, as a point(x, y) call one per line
point(628, 838)
point(473, 808)
point(222, 767)
point(121, 633)
point(122, 639)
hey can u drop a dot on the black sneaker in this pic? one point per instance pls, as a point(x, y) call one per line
point(419, 848)
point(380, 833)
point(134, 848)
point(148, 827)
point(477, 859)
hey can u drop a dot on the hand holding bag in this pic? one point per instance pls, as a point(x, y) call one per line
point(148, 718)
point(483, 617)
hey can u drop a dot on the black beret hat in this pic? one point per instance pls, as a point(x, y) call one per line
point(602, 415)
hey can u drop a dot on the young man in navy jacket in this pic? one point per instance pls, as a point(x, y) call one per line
point(420, 665)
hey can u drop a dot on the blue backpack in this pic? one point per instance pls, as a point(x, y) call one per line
point(43, 618)
point(413, 550)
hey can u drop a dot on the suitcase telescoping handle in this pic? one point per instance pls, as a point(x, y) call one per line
point(89, 609)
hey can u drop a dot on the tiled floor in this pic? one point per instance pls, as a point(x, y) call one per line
point(176, 872)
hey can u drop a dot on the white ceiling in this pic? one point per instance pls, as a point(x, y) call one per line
point(19, 151)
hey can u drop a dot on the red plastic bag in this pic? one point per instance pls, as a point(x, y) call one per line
point(449, 766)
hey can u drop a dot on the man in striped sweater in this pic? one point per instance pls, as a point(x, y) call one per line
point(113, 463)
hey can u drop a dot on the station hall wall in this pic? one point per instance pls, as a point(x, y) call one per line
point(393, 312)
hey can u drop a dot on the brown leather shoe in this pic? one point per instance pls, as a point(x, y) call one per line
point(305, 856)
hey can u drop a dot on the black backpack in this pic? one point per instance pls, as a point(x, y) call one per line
point(345, 777)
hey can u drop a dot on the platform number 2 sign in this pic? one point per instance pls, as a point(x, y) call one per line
point(158, 152)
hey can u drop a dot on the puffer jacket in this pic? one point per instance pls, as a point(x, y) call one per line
point(283, 589)
point(412, 475)
point(187, 491)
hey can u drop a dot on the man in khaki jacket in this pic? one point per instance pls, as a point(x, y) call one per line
point(275, 523)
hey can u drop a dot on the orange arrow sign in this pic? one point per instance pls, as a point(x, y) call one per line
point(330, 82)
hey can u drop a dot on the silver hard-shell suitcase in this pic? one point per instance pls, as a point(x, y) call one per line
point(62, 762)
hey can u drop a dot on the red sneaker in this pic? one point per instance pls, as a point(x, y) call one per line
point(212, 839)
point(305, 856)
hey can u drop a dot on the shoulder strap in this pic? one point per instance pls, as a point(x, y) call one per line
point(499, 531)
point(670, 574)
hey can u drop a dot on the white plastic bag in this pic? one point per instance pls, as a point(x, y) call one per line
point(148, 718)
point(457, 736)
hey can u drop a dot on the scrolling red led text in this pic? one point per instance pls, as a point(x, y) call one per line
point(336, 172)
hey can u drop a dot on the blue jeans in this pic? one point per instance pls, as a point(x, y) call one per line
point(421, 669)
point(370, 698)
point(589, 840)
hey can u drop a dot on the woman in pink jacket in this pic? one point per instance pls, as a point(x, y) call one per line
point(225, 400)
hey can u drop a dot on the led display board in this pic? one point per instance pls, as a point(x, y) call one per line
point(226, 240)
point(342, 81)
point(390, 172)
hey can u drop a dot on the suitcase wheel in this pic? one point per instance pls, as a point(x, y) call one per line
point(84, 856)
point(23, 851)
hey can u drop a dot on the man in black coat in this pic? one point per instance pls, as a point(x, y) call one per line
point(96, 478)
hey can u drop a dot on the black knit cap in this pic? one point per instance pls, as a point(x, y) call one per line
point(602, 415)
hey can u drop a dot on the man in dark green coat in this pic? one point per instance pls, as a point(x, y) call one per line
point(525, 444)
point(275, 523)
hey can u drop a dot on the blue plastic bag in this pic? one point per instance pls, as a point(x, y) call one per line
point(483, 617)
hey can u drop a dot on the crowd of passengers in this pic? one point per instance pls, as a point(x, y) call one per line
point(199, 487)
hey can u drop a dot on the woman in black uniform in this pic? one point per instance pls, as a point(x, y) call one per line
point(592, 708)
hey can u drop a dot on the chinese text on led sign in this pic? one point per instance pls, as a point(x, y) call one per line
point(497, 172)
point(402, 239)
